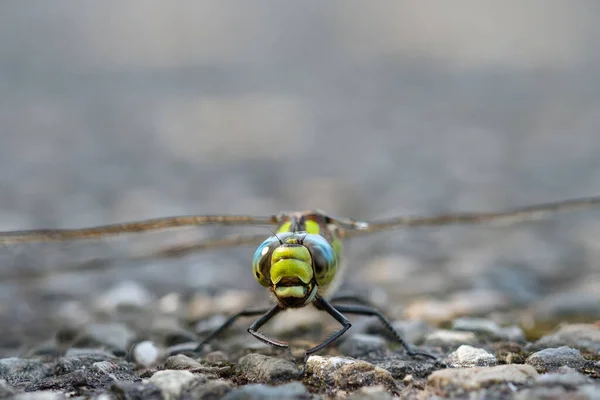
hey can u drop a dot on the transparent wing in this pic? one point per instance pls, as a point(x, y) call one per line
point(357, 228)
point(167, 252)
point(54, 235)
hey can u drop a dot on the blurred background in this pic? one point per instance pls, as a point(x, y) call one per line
point(115, 111)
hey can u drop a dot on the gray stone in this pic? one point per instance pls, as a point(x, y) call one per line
point(346, 374)
point(259, 368)
point(483, 326)
point(292, 390)
point(584, 337)
point(446, 381)
point(81, 359)
point(553, 358)
point(17, 371)
point(41, 395)
point(469, 356)
point(563, 376)
point(5, 389)
point(172, 383)
point(360, 344)
point(136, 391)
point(214, 389)
point(371, 393)
point(181, 362)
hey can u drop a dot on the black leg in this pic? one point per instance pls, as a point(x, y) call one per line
point(229, 322)
point(370, 311)
point(253, 330)
point(324, 305)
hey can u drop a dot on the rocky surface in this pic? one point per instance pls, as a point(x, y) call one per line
point(111, 113)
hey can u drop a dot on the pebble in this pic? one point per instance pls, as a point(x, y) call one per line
point(259, 368)
point(449, 338)
point(125, 293)
point(584, 337)
point(181, 362)
point(40, 395)
point(345, 374)
point(291, 391)
point(469, 356)
point(17, 370)
point(215, 389)
point(488, 327)
point(146, 353)
point(377, 392)
point(361, 344)
point(171, 382)
point(445, 381)
point(563, 376)
point(552, 359)
point(136, 390)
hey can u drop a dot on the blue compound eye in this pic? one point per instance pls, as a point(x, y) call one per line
point(261, 262)
point(325, 262)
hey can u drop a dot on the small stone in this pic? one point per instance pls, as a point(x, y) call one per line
point(584, 337)
point(377, 392)
point(16, 371)
point(125, 293)
point(553, 358)
point(78, 359)
point(145, 353)
point(489, 328)
point(136, 390)
point(106, 367)
point(6, 390)
point(113, 336)
point(292, 391)
point(41, 395)
point(444, 381)
point(448, 338)
point(469, 356)
point(345, 374)
point(171, 382)
point(546, 393)
point(207, 390)
point(259, 368)
point(360, 344)
point(181, 362)
point(563, 376)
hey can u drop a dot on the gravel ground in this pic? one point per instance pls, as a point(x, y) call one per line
point(123, 112)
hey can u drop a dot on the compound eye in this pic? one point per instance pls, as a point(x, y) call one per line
point(261, 262)
point(324, 258)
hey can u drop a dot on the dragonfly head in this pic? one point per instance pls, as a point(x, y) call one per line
point(293, 265)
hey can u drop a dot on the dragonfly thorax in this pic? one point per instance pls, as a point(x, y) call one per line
point(292, 265)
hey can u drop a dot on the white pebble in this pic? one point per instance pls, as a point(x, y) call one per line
point(145, 353)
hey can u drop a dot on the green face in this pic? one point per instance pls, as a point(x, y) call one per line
point(293, 265)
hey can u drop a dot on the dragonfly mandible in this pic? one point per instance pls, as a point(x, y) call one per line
point(300, 263)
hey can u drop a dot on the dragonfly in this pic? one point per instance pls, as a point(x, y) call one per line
point(300, 263)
